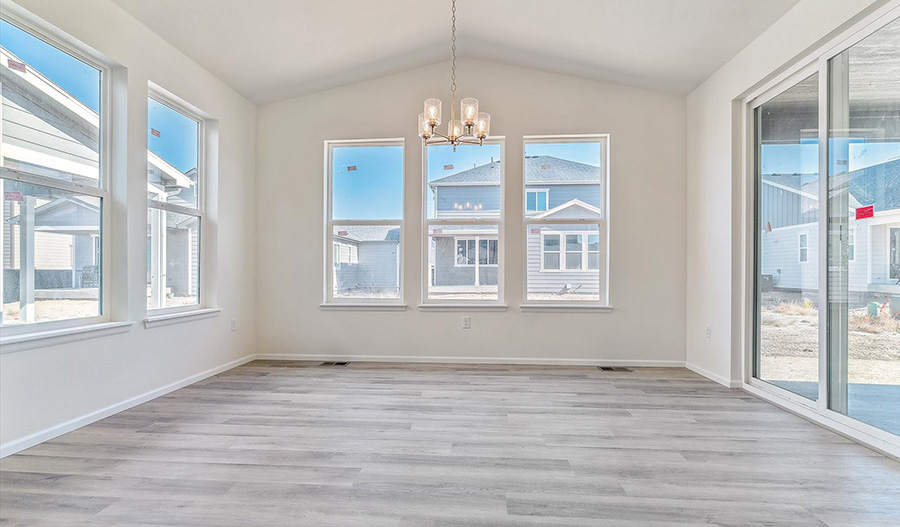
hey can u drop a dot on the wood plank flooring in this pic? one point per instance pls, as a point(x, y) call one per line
point(291, 443)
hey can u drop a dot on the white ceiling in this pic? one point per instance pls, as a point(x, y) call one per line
point(274, 49)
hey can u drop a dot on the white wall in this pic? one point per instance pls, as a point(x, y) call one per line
point(713, 197)
point(647, 228)
point(43, 388)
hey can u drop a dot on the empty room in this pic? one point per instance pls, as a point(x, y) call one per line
point(450, 263)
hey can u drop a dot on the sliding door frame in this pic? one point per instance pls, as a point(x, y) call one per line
point(819, 410)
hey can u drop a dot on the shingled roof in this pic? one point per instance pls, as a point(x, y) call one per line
point(369, 233)
point(538, 169)
point(877, 185)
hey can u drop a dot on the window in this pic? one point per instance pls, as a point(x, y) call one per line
point(470, 250)
point(565, 219)
point(851, 244)
point(463, 206)
point(536, 200)
point(364, 186)
point(174, 204)
point(582, 251)
point(804, 248)
point(54, 183)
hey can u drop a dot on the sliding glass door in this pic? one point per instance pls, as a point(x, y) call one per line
point(787, 280)
point(826, 317)
point(863, 226)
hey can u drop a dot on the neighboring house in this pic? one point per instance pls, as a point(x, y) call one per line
point(48, 132)
point(560, 258)
point(366, 259)
point(790, 244)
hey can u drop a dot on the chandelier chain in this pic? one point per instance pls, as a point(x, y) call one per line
point(453, 56)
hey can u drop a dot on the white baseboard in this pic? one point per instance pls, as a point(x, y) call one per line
point(472, 360)
point(713, 376)
point(47, 434)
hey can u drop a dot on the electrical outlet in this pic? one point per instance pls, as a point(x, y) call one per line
point(467, 322)
point(233, 324)
point(708, 331)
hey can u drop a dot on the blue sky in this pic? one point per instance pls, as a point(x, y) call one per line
point(374, 190)
point(74, 76)
point(177, 143)
point(804, 158)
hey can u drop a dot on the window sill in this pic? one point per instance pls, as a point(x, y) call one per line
point(53, 337)
point(463, 307)
point(155, 321)
point(565, 308)
point(362, 306)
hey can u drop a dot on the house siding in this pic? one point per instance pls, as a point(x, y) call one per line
point(488, 196)
point(554, 281)
point(379, 265)
point(562, 194)
point(447, 273)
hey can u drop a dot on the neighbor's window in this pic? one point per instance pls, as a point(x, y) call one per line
point(174, 206)
point(365, 213)
point(52, 182)
point(566, 220)
point(804, 247)
point(462, 223)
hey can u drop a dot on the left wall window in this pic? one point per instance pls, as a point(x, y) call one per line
point(174, 205)
point(53, 181)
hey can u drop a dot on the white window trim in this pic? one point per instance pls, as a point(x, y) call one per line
point(889, 228)
point(36, 331)
point(744, 275)
point(545, 192)
point(330, 302)
point(851, 243)
point(602, 225)
point(489, 218)
point(163, 97)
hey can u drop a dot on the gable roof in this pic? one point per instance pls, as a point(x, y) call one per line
point(570, 209)
point(877, 185)
point(369, 233)
point(538, 169)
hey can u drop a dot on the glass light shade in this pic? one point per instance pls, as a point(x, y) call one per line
point(483, 125)
point(455, 130)
point(468, 111)
point(424, 127)
point(433, 111)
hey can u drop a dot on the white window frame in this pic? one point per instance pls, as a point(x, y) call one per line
point(851, 243)
point(801, 258)
point(159, 95)
point(477, 240)
point(601, 223)
point(536, 191)
point(585, 251)
point(816, 60)
point(31, 25)
point(329, 300)
point(490, 218)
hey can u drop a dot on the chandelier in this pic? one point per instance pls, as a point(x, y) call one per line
point(472, 126)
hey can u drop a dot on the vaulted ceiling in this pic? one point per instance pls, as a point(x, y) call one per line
point(275, 49)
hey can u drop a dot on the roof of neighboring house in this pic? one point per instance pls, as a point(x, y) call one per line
point(877, 185)
point(369, 233)
point(538, 169)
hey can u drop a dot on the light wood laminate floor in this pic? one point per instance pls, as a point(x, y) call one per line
point(290, 443)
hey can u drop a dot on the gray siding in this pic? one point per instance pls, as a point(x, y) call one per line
point(488, 196)
point(378, 264)
point(554, 281)
point(448, 274)
point(562, 194)
point(783, 208)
